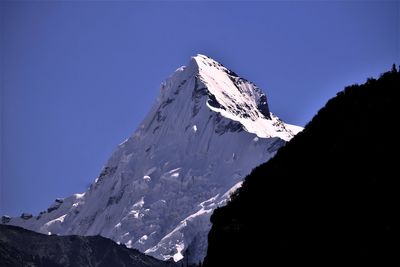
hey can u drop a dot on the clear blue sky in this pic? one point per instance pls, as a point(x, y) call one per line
point(78, 77)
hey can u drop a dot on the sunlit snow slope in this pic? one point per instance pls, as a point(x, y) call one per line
point(206, 131)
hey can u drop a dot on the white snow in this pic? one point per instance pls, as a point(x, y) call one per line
point(78, 196)
point(178, 255)
point(143, 239)
point(129, 244)
point(233, 96)
point(294, 128)
point(159, 188)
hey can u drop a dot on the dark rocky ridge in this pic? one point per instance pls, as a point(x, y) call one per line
point(21, 247)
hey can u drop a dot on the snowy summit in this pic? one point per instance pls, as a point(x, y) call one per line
point(207, 130)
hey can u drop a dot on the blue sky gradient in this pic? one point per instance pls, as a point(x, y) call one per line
point(78, 77)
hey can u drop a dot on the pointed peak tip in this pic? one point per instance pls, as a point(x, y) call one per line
point(202, 61)
point(202, 57)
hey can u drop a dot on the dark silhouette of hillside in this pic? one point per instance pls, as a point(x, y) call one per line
point(21, 248)
point(330, 197)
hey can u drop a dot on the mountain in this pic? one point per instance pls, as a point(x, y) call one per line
point(207, 130)
point(21, 247)
point(329, 197)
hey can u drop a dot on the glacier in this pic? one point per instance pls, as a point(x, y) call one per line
point(206, 131)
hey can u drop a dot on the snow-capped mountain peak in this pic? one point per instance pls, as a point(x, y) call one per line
point(233, 94)
point(229, 95)
point(206, 131)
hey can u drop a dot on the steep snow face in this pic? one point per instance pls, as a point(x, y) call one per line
point(240, 100)
point(206, 131)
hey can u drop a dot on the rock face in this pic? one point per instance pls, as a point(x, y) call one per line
point(20, 247)
point(207, 130)
point(329, 197)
